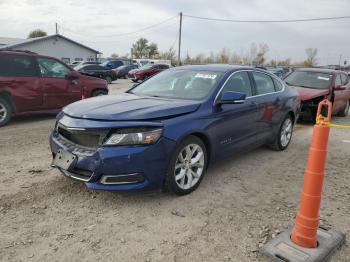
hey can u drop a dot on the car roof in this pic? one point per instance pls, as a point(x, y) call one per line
point(319, 70)
point(217, 67)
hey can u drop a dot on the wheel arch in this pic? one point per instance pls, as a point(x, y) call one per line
point(7, 95)
point(205, 139)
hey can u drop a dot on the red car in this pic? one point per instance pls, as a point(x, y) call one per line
point(34, 83)
point(315, 84)
point(146, 71)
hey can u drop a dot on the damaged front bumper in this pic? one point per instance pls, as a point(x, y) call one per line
point(117, 167)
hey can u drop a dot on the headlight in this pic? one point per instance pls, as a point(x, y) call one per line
point(134, 137)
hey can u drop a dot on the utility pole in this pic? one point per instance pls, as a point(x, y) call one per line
point(56, 25)
point(340, 60)
point(179, 51)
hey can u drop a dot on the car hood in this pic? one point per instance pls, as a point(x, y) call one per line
point(93, 80)
point(310, 93)
point(127, 107)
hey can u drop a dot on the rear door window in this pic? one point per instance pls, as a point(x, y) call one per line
point(338, 81)
point(344, 79)
point(15, 65)
point(263, 83)
point(278, 85)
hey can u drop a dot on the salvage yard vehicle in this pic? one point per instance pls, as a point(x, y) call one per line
point(34, 83)
point(97, 71)
point(146, 71)
point(315, 84)
point(122, 71)
point(165, 131)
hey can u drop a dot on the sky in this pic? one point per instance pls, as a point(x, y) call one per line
point(99, 24)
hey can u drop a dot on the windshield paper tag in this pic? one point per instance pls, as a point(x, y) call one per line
point(206, 76)
point(323, 78)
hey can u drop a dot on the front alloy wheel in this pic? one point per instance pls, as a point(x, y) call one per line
point(187, 166)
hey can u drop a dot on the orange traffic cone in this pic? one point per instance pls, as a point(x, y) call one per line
point(306, 223)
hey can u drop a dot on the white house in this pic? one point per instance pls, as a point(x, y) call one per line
point(57, 46)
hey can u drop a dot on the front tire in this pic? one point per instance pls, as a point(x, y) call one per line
point(284, 135)
point(344, 112)
point(5, 111)
point(99, 93)
point(187, 166)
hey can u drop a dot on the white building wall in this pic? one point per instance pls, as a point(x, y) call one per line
point(61, 49)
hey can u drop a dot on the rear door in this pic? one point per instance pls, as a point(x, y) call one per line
point(268, 104)
point(339, 95)
point(236, 124)
point(58, 91)
point(19, 75)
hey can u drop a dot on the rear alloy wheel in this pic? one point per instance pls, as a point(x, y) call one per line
point(187, 167)
point(109, 79)
point(344, 112)
point(5, 111)
point(284, 135)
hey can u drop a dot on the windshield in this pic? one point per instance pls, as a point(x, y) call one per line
point(105, 63)
point(179, 84)
point(78, 67)
point(147, 66)
point(310, 79)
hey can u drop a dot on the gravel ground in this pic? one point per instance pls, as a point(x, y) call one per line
point(242, 203)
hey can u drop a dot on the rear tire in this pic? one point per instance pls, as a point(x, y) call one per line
point(99, 93)
point(187, 166)
point(108, 79)
point(344, 112)
point(284, 135)
point(5, 111)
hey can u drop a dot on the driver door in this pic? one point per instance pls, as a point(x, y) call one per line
point(236, 124)
point(57, 90)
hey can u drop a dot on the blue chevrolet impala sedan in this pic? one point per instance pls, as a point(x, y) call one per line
point(166, 131)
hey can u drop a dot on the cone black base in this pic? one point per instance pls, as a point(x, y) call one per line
point(282, 249)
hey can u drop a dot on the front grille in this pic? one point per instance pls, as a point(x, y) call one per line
point(82, 137)
point(131, 76)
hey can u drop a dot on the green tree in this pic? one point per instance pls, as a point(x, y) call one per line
point(141, 49)
point(36, 33)
point(114, 55)
point(153, 50)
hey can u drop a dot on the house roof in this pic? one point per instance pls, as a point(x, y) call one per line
point(11, 43)
point(10, 40)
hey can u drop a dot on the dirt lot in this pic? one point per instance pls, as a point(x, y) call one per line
point(241, 203)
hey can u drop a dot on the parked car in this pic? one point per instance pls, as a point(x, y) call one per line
point(164, 132)
point(146, 71)
point(112, 64)
point(79, 63)
point(97, 71)
point(122, 71)
point(315, 84)
point(35, 83)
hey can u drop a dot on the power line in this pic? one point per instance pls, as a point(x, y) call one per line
point(268, 21)
point(122, 34)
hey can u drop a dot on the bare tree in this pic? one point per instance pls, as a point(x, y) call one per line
point(311, 54)
point(223, 57)
point(236, 59)
point(169, 55)
point(260, 56)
